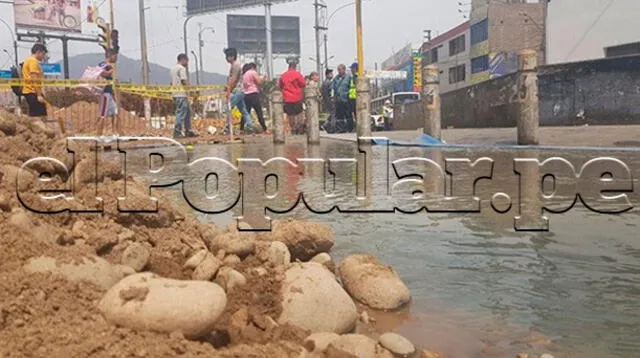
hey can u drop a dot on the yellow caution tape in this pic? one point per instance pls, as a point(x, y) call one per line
point(7, 83)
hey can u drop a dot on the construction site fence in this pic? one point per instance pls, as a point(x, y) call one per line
point(76, 106)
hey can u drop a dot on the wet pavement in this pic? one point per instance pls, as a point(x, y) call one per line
point(480, 288)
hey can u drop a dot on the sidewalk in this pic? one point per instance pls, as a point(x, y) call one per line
point(583, 136)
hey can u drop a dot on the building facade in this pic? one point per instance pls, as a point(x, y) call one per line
point(482, 48)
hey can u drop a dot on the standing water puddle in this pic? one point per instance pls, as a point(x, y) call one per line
point(479, 287)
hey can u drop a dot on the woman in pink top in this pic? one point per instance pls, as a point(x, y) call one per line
point(251, 87)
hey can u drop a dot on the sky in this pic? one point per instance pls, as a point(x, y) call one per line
point(578, 29)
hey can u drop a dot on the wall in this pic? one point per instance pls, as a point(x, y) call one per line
point(514, 27)
point(599, 92)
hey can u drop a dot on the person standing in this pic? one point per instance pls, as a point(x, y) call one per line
point(234, 94)
point(108, 104)
point(33, 75)
point(341, 85)
point(353, 93)
point(251, 82)
point(292, 84)
point(179, 78)
point(327, 103)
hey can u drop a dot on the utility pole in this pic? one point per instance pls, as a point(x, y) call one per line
point(145, 60)
point(544, 31)
point(318, 29)
point(201, 45)
point(326, 52)
point(197, 68)
point(359, 38)
point(269, 54)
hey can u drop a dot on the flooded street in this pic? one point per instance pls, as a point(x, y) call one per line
point(480, 288)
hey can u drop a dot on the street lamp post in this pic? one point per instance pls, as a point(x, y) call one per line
point(201, 45)
point(197, 69)
point(15, 42)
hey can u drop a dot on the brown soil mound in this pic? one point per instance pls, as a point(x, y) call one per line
point(47, 315)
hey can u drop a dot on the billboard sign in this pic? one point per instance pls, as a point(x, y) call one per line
point(51, 69)
point(195, 7)
point(398, 58)
point(247, 33)
point(78, 16)
point(387, 75)
point(417, 71)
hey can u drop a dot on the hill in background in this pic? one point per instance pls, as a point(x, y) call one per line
point(130, 70)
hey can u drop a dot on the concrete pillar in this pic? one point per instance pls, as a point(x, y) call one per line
point(277, 108)
point(313, 114)
point(363, 107)
point(528, 112)
point(431, 101)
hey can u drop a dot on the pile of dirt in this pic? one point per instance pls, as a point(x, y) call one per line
point(44, 314)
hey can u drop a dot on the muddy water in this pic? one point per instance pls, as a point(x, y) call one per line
point(480, 288)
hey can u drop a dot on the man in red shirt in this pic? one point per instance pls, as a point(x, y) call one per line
point(292, 84)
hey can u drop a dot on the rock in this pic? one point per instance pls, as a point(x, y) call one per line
point(207, 269)
point(372, 283)
point(10, 178)
point(313, 299)
point(78, 229)
point(231, 260)
point(364, 317)
point(5, 204)
point(260, 271)
point(321, 258)
point(304, 239)
point(318, 342)
point(126, 235)
point(278, 254)
point(92, 269)
point(234, 242)
point(196, 259)
point(427, 353)
point(522, 355)
point(146, 301)
point(221, 254)
point(358, 345)
point(230, 278)
point(136, 256)
point(7, 126)
point(265, 323)
point(397, 344)
point(546, 355)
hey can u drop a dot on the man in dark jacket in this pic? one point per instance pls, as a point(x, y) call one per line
point(326, 91)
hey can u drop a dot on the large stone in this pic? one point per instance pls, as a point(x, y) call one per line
point(397, 344)
point(372, 283)
point(313, 299)
point(304, 239)
point(207, 269)
point(195, 260)
point(234, 242)
point(136, 256)
point(229, 278)
point(318, 342)
point(7, 126)
point(91, 269)
point(278, 254)
point(357, 345)
point(146, 301)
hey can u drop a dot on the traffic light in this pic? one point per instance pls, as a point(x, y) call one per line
point(105, 37)
point(114, 41)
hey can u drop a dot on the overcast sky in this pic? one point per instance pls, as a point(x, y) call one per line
point(388, 25)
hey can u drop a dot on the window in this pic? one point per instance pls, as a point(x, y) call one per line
point(431, 56)
point(480, 32)
point(457, 74)
point(457, 45)
point(479, 64)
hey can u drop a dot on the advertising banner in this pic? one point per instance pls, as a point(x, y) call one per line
point(77, 16)
point(387, 75)
point(417, 71)
point(51, 69)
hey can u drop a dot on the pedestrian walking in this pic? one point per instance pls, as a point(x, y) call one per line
point(32, 75)
point(326, 92)
point(179, 78)
point(341, 88)
point(108, 104)
point(251, 82)
point(292, 84)
point(234, 94)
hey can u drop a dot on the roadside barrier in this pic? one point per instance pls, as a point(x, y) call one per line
point(76, 107)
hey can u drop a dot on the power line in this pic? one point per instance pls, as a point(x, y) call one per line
point(584, 36)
